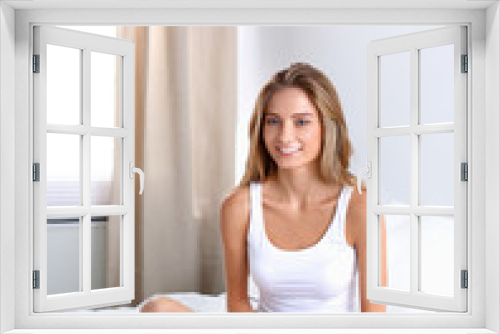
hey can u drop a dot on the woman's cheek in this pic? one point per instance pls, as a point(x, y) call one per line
point(268, 140)
point(312, 135)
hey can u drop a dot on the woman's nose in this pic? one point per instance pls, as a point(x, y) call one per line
point(287, 132)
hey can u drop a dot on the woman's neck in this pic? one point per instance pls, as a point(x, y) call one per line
point(300, 186)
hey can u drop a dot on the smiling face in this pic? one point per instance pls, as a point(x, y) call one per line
point(292, 129)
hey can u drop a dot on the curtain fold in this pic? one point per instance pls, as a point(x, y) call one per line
point(185, 143)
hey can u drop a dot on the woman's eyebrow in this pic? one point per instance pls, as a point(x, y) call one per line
point(303, 114)
point(297, 114)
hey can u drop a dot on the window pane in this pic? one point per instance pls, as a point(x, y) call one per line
point(436, 84)
point(436, 152)
point(106, 247)
point(395, 89)
point(63, 255)
point(397, 251)
point(63, 169)
point(395, 170)
point(105, 90)
point(436, 249)
point(63, 85)
point(105, 170)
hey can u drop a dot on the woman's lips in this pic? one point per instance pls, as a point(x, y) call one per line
point(288, 151)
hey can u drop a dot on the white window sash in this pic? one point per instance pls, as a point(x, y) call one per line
point(86, 297)
point(455, 35)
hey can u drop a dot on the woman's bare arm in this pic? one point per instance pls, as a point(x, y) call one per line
point(356, 216)
point(234, 220)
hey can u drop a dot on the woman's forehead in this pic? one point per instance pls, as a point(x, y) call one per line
point(289, 101)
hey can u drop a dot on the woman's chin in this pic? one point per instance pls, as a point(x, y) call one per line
point(291, 164)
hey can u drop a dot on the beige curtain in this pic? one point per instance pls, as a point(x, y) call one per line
point(185, 143)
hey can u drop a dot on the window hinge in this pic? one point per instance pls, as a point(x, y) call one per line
point(465, 64)
point(465, 279)
point(36, 63)
point(464, 171)
point(36, 172)
point(36, 279)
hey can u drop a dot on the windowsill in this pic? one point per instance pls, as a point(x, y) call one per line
point(260, 331)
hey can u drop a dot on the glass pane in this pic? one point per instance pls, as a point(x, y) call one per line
point(105, 90)
point(105, 170)
point(436, 249)
point(395, 170)
point(106, 247)
point(63, 85)
point(63, 255)
point(63, 169)
point(395, 89)
point(397, 233)
point(436, 153)
point(436, 84)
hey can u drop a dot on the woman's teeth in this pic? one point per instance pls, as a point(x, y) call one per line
point(288, 150)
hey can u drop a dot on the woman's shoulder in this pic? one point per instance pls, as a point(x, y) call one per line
point(357, 199)
point(356, 212)
point(238, 198)
point(236, 205)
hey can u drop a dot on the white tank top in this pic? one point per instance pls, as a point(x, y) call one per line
point(320, 278)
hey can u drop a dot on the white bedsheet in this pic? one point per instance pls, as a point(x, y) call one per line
point(196, 301)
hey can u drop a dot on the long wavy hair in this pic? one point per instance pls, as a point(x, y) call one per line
point(336, 148)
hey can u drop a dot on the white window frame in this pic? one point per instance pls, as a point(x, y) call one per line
point(483, 212)
point(413, 43)
point(85, 297)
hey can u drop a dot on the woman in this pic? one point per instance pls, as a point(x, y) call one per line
point(294, 223)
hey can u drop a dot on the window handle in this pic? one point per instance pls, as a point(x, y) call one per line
point(133, 170)
point(367, 170)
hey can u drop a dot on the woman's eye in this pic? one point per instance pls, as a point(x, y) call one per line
point(272, 121)
point(302, 122)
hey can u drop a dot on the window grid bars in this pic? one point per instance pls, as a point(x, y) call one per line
point(421, 129)
point(414, 171)
point(85, 210)
point(414, 210)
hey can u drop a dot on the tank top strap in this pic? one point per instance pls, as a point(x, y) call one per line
point(255, 207)
point(342, 212)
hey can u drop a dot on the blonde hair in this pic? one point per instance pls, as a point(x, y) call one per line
point(336, 148)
